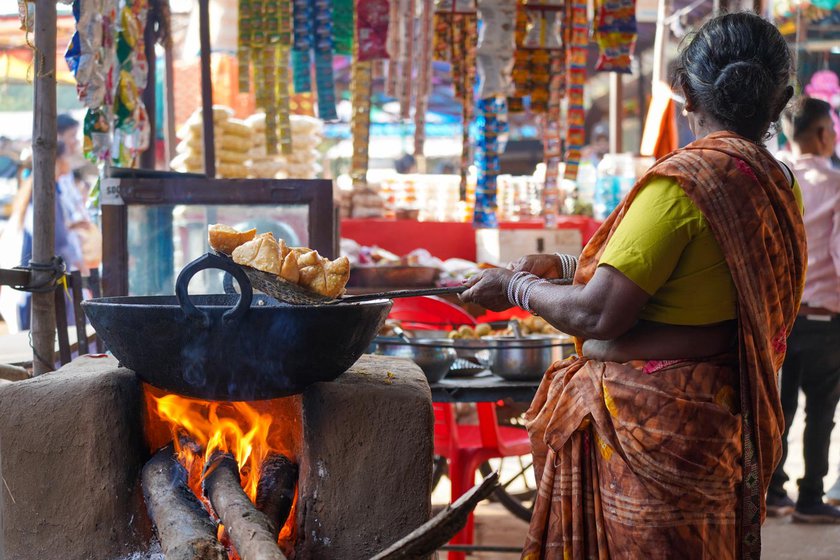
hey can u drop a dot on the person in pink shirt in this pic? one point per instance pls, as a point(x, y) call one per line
point(812, 362)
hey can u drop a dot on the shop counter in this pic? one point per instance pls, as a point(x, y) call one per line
point(444, 240)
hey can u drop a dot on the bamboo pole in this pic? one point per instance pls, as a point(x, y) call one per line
point(43, 177)
point(169, 103)
point(148, 157)
point(206, 88)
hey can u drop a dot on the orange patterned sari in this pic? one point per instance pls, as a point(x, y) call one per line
point(672, 459)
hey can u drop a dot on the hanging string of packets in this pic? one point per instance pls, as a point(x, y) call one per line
point(576, 77)
point(265, 37)
point(552, 148)
point(541, 39)
point(313, 20)
point(492, 127)
point(521, 62)
point(456, 34)
point(370, 33)
point(107, 57)
point(615, 33)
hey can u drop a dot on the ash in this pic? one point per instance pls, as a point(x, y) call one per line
point(153, 553)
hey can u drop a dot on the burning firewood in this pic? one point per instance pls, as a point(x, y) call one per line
point(276, 490)
point(250, 530)
point(439, 530)
point(184, 527)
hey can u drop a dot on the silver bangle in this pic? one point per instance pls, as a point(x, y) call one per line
point(526, 294)
point(568, 265)
point(512, 286)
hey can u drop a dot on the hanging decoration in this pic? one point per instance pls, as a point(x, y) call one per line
point(615, 33)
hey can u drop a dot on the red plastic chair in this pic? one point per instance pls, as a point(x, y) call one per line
point(468, 446)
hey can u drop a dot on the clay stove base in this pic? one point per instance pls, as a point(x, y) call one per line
point(72, 445)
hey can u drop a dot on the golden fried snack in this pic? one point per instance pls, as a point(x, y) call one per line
point(225, 239)
point(314, 278)
point(262, 253)
point(290, 270)
point(337, 275)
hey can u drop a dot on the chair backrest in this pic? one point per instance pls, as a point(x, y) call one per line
point(73, 296)
point(446, 427)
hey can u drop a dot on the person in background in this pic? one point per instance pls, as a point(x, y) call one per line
point(598, 146)
point(813, 347)
point(659, 439)
point(67, 243)
point(406, 164)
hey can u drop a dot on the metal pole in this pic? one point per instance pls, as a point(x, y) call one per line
point(43, 177)
point(616, 113)
point(206, 88)
point(169, 104)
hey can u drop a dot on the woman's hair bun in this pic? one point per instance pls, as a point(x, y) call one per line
point(737, 88)
point(737, 69)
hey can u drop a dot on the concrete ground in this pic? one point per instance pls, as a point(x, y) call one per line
point(782, 539)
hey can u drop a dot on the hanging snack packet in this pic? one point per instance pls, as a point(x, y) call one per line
point(615, 33)
point(496, 44)
point(372, 29)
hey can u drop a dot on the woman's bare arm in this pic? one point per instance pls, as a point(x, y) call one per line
point(604, 308)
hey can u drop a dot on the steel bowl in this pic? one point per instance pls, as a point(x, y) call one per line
point(433, 355)
point(526, 358)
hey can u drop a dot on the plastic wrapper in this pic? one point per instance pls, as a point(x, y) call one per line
point(455, 6)
point(84, 54)
point(360, 92)
point(544, 25)
point(342, 18)
point(615, 33)
point(497, 35)
point(424, 75)
point(372, 18)
point(96, 130)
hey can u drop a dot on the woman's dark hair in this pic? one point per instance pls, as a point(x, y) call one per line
point(737, 69)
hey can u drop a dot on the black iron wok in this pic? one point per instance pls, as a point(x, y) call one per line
point(233, 347)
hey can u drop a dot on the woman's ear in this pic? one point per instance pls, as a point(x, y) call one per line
point(786, 97)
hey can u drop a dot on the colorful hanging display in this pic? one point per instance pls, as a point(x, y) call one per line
point(615, 32)
point(313, 39)
point(576, 77)
point(107, 55)
point(491, 129)
point(361, 79)
point(521, 62)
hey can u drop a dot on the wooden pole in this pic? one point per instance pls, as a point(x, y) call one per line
point(206, 88)
point(148, 157)
point(616, 113)
point(43, 177)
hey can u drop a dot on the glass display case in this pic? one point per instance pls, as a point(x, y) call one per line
point(153, 226)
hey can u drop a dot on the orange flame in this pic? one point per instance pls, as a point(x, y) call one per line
point(250, 432)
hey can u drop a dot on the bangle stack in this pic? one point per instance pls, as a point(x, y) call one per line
point(568, 265)
point(520, 287)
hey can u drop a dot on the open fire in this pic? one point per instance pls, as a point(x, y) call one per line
point(253, 439)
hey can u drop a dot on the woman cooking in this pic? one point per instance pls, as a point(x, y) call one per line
point(659, 440)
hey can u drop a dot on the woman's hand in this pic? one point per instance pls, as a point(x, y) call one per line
point(544, 266)
point(488, 288)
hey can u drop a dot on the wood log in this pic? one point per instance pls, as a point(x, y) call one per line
point(276, 490)
point(184, 527)
point(439, 530)
point(249, 529)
